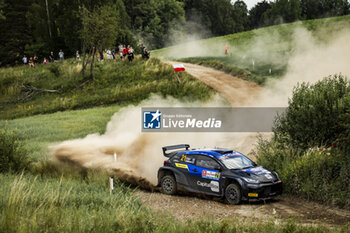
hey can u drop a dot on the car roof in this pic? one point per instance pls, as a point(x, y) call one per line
point(216, 152)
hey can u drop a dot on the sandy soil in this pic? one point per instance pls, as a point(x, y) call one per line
point(185, 207)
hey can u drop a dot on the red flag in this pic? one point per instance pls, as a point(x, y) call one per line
point(179, 67)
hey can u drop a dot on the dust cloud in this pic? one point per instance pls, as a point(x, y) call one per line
point(308, 56)
point(139, 155)
point(311, 61)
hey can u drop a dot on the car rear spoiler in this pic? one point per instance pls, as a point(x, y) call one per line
point(174, 147)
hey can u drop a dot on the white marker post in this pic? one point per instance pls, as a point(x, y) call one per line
point(111, 187)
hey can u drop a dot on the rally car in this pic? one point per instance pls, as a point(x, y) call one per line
point(217, 172)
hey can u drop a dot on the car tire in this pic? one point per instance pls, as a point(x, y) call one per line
point(233, 194)
point(168, 185)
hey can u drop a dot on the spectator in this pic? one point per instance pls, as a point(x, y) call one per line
point(31, 62)
point(120, 48)
point(77, 55)
point(130, 53)
point(226, 50)
point(109, 55)
point(124, 51)
point(45, 61)
point(36, 59)
point(101, 55)
point(25, 60)
point(142, 50)
point(113, 54)
point(61, 55)
point(52, 57)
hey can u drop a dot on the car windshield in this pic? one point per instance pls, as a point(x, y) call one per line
point(237, 162)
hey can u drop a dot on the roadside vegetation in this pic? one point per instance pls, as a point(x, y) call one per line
point(59, 86)
point(311, 146)
point(44, 198)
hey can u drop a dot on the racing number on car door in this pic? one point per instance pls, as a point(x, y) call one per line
point(204, 175)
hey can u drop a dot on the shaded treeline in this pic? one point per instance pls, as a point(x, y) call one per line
point(41, 26)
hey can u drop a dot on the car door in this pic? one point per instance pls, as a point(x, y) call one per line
point(184, 162)
point(204, 175)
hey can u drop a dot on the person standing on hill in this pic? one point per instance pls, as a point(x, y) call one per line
point(226, 50)
point(61, 55)
point(124, 51)
point(52, 57)
point(36, 59)
point(130, 53)
point(77, 55)
point(25, 60)
point(120, 48)
point(142, 50)
point(31, 62)
point(113, 54)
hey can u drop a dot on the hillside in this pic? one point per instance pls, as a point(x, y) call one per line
point(260, 54)
point(56, 87)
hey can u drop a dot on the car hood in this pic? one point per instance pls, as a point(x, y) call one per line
point(258, 173)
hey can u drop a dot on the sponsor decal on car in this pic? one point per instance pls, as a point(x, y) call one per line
point(213, 185)
point(253, 195)
point(210, 175)
point(181, 165)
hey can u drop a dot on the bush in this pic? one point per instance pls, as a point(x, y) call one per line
point(314, 112)
point(12, 154)
point(311, 143)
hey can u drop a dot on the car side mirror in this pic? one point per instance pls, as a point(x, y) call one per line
point(218, 168)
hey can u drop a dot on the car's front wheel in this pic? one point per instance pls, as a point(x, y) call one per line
point(233, 194)
point(168, 185)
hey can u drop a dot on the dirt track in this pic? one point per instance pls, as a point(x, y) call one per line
point(240, 93)
point(188, 207)
point(237, 91)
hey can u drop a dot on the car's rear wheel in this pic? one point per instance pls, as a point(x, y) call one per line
point(168, 185)
point(233, 194)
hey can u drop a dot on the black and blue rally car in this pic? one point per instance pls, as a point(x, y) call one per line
point(217, 172)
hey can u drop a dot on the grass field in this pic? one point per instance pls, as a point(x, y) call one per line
point(119, 82)
point(260, 54)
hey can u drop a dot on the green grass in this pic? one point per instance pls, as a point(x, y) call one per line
point(120, 82)
point(269, 47)
point(31, 203)
point(39, 131)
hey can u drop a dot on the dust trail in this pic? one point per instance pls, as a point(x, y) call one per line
point(140, 154)
point(311, 61)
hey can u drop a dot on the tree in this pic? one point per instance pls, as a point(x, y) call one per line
point(241, 16)
point(257, 16)
point(99, 30)
point(2, 5)
point(15, 33)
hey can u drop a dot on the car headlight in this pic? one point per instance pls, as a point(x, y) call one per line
point(249, 180)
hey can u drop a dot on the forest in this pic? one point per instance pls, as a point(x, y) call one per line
point(41, 26)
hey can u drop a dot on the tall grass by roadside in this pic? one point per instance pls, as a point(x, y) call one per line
point(42, 204)
point(120, 82)
point(310, 149)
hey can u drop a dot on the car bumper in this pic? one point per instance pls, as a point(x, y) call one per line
point(261, 191)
